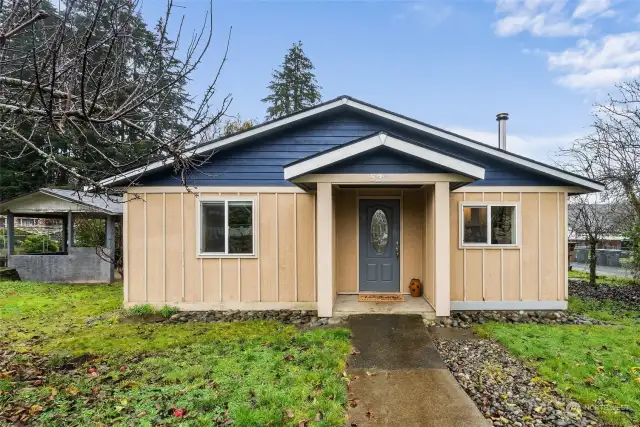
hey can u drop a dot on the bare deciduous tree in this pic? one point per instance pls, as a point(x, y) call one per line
point(67, 74)
point(611, 153)
point(593, 221)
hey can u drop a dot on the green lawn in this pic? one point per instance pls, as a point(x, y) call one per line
point(71, 363)
point(599, 366)
point(601, 279)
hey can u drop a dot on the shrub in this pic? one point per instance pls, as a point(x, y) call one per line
point(142, 310)
point(39, 243)
point(148, 310)
point(89, 232)
point(168, 311)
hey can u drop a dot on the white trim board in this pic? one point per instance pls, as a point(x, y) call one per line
point(376, 111)
point(508, 305)
point(379, 140)
point(232, 305)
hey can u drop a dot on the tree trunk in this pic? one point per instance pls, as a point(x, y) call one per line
point(592, 263)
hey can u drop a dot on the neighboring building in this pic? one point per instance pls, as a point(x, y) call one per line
point(348, 198)
point(49, 209)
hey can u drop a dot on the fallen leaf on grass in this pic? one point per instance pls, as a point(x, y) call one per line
point(318, 417)
point(303, 423)
point(589, 381)
point(288, 358)
point(289, 413)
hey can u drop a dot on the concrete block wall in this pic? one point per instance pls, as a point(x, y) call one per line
point(81, 265)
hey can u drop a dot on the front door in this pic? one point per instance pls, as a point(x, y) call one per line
point(379, 261)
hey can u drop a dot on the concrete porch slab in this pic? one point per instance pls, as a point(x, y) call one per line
point(348, 305)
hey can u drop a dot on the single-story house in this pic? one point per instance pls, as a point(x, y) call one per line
point(346, 198)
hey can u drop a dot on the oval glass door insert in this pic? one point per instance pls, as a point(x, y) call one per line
point(379, 231)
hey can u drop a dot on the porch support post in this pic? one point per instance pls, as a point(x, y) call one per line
point(69, 228)
point(442, 252)
point(110, 244)
point(324, 250)
point(10, 234)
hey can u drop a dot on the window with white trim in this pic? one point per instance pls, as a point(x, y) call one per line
point(227, 227)
point(488, 224)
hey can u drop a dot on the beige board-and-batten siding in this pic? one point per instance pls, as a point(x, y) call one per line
point(162, 265)
point(533, 271)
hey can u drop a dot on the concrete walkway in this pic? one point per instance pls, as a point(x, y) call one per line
point(400, 379)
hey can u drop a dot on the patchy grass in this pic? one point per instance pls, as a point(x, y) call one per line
point(602, 279)
point(599, 366)
point(70, 363)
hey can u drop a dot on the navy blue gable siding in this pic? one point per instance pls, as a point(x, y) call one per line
point(382, 160)
point(260, 163)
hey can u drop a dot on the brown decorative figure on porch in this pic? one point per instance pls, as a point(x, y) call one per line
point(415, 287)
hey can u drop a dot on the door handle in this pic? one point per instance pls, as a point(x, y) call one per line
point(398, 250)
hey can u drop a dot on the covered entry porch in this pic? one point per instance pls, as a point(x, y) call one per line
point(376, 238)
point(382, 217)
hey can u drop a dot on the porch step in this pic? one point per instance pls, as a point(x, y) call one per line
point(348, 305)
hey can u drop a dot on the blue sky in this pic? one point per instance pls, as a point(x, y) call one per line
point(453, 64)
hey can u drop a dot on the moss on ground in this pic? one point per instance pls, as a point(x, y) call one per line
point(69, 362)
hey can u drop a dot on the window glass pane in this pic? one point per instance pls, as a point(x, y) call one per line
point(503, 225)
point(379, 231)
point(212, 227)
point(475, 224)
point(240, 227)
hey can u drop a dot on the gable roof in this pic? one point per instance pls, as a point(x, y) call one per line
point(74, 201)
point(362, 107)
point(376, 140)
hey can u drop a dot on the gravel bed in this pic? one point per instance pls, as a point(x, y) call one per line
point(505, 390)
point(629, 294)
point(465, 319)
point(292, 317)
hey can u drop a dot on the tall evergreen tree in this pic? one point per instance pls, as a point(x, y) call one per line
point(294, 86)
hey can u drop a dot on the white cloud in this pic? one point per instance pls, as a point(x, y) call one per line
point(598, 78)
point(602, 63)
point(543, 149)
point(548, 18)
point(588, 8)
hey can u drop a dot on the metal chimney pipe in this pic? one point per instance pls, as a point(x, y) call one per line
point(502, 130)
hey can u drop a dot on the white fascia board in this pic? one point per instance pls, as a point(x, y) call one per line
point(227, 141)
point(449, 162)
point(477, 146)
point(378, 140)
point(333, 156)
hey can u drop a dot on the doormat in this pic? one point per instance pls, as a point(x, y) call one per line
point(380, 298)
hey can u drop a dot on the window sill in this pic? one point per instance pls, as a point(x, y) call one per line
point(232, 256)
point(480, 246)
